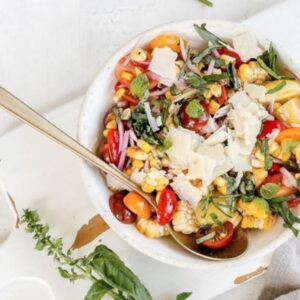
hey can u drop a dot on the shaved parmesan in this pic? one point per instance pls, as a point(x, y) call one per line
point(183, 143)
point(163, 63)
point(217, 137)
point(246, 46)
point(257, 92)
point(185, 190)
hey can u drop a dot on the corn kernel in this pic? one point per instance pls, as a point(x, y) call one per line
point(196, 182)
point(143, 145)
point(140, 155)
point(147, 187)
point(111, 124)
point(105, 132)
point(129, 171)
point(137, 71)
point(162, 181)
point(255, 163)
point(223, 190)
point(216, 89)
point(138, 55)
point(227, 58)
point(168, 95)
point(259, 176)
point(130, 151)
point(155, 163)
point(165, 162)
point(120, 92)
point(138, 164)
point(213, 107)
point(276, 105)
point(126, 76)
point(207, 94)
point(219, 181)
point(252, 73)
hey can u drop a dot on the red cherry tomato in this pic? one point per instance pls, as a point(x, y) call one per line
point(275, 168)
point(167, 204)
point(294, 202)
point(129, 67)
point(219, 241)
point(223, 98)
point(225, 51)
point(285, 191)
point(119, 209)
point(273, 178)
point(130, 100)
point(113, 145)
point(195, 124)
point(268, 127)
point(103, 152)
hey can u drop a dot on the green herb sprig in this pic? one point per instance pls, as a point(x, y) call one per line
point(206, 2)
point(103, 267)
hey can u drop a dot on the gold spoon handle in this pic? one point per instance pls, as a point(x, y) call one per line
point(19, 109)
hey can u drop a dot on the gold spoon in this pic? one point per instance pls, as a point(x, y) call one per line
point(19, 109)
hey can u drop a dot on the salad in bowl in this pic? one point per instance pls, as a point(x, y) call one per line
point(211, 128)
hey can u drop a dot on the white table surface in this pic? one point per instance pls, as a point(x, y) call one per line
point(50, 50)
point(22, 164)
point(41, 175)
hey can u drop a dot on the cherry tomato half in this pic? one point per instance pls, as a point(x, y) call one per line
point(294, 202)
point(166, 206)
point(195, 124)
point(166, 40)
point(130, 100)
point(113, 145)
point(119, 209)
point(219, 241)
point(268, 127)
point(225, 51)
point(275, 168)
point(223, 98)
point(273, 178)
point(129, 68)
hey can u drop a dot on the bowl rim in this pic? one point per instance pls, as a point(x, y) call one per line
point(84, 166)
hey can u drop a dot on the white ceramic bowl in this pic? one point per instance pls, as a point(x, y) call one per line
point(96, 104)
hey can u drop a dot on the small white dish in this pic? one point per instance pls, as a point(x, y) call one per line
point(26, 288)
point(94, 108)
point(8, 215)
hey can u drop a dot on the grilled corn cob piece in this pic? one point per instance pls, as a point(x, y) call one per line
point(262, 224)
point(184, 219)
point(289, 90)
point(259, 175)
point(151, 229)
point(252, 73)
point(221, 185)
point(258, 208)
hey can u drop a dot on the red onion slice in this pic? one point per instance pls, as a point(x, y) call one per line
point(132, 135)
point(123, 150)
point(121, 134)
point(158, 93)
point(210, 67)
point(151, 120)
point(288, 178)
point(216, 53)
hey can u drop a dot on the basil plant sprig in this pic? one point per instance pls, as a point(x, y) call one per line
point(103, 267)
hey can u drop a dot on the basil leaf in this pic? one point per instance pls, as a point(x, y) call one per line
point(289, 145)
point(139, 123)
point(215, 219)
point(195, 81)
point(173, 90)
point(207, 35)
point(267, 61)
point(194, 109)
point(98, 290)
point(167, 144)
point(116, 274)
point(206, 2)
point(215, 77)
point(198, 58)
point(264, 148)
point(139, 87)
point(269, 190)
point(233, 80)
point(288, 217)
point(277, 88)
